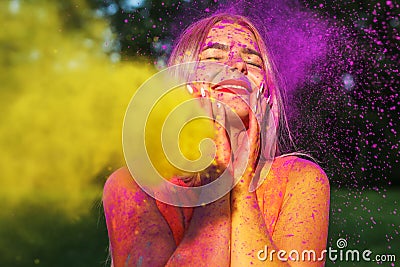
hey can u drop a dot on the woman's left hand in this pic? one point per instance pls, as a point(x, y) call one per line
point(248, 149)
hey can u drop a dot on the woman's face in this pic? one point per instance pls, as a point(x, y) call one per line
point(235, 46)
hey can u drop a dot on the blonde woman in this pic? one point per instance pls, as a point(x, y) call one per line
point(271, 226)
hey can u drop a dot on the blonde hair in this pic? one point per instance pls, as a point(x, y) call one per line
point(188, 47)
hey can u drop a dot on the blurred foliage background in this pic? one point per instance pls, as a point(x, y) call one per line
point(68, 70)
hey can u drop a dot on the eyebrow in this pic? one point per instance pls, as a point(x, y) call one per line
point(216, 46)
point(224, 47)
point(251, 52)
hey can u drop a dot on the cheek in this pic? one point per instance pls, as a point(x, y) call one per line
point(257, 77)
point(237, 104)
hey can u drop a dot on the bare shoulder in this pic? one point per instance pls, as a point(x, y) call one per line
point(307, 168)
point(305, 173)
point(119, 179)
point(120, 174)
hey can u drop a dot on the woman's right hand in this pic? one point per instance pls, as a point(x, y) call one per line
point(215, 110)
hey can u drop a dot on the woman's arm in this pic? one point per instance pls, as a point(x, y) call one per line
point(249, 231)
point(138, 233)
point(304, 217)
point(302, 224)
point(206, 242)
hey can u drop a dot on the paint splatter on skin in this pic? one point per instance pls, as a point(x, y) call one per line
point(341, 81)
point(339, 72)
point(231, 45)
point(342, 86)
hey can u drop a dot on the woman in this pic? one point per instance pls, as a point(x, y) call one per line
point(288, 212)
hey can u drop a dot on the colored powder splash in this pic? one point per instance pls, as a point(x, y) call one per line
point(190, 135)
point(339, 74)
point(170, 120)
point(296, 37)
point(342, 88)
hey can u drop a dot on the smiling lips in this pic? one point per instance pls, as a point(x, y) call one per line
point(238, 87)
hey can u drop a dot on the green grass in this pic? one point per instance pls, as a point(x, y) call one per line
point(40, 233)
point(367, 220)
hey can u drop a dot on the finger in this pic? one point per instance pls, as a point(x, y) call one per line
point(262, 102)
point(269, 146)
point(262, 115)
point(205, 100)
point(223, 152)
point(263, 96)
point(254, 131)
point(253, 121)
point(192, 89)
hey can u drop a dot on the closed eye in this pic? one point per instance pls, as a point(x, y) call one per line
point(213, 54)
point(213, 58)
point(255, 64)
point(254, 60)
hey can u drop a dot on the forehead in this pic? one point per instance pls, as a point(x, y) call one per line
point(231, 33)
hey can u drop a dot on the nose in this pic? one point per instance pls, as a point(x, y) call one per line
point(236, 62)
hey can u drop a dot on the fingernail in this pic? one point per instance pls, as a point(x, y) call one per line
point(269, 97)
point(203, 92)
point(260, 90)
point(189, 88)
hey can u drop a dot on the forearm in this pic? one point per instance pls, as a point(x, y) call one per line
point(206, 242)
point(249, 232)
